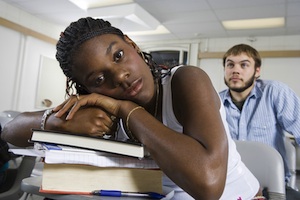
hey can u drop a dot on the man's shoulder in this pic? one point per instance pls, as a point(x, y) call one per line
point(274, 88)
point(270, 84)
point(223, 94)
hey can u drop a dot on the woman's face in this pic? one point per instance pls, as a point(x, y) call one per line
point(109, 65)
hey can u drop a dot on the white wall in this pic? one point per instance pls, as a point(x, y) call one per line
point(34, 49)
point(9, 48)
point(20, 62)
point(21, 56)
point(20, 65)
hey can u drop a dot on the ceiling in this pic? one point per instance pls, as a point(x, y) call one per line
point(184, 19)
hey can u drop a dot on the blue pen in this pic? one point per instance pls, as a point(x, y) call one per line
point(117, 193)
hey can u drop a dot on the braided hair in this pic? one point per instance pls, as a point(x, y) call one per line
point(77, 33)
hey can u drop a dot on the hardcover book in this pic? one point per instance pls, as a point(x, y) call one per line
point(83, 179)
point(128, 147)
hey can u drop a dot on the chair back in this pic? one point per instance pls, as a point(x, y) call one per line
point(12, 185)
point(291, 162)
point(7, 115)
point(23, 171)
point(266, 164)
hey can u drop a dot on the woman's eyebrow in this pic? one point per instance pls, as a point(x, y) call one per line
point(108, 50)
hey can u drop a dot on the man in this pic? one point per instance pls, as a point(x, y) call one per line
point(259, 110)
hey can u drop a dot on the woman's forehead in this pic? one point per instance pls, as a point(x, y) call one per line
point(105, 38)
point(102, 42)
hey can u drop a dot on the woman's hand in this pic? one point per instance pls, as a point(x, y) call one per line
point(89, 120)
point(95, 114)
point(75, 102)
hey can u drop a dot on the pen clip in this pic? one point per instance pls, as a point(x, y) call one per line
point(155, 195)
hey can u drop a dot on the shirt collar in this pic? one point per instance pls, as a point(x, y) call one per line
point(256, 92)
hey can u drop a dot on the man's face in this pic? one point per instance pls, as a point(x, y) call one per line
point(240, 72)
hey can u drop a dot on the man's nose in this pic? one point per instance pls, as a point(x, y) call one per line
point(236, 68)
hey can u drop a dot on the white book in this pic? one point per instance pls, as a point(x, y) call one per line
point(55, 154)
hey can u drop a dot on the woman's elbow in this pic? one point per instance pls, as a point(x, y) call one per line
point(209, 186)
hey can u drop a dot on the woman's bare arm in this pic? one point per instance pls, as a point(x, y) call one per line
point(196, 160)
point(18, 131)
point(91, 120)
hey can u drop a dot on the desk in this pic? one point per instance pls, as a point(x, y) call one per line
point(31, 185)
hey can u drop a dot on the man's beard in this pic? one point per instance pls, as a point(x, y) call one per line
point(248, 84)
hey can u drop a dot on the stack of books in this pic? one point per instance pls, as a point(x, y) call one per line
point(81, 164)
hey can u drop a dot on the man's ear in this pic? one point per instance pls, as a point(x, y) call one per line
point(132, 43)
point(257, 72)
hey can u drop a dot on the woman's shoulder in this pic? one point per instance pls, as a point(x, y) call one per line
point(192, 73)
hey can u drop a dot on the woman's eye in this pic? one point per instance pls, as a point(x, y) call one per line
point(118, 56)
point(99, 80)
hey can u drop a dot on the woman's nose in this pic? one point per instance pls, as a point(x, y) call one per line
point(120, 76)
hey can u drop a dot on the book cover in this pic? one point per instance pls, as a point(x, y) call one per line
point(128, 147)
point(83, 179)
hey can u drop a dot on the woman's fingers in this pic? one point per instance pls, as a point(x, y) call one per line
point(66, 106)
point(73, 104)
point(57, 108)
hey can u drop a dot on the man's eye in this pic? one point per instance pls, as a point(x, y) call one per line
point(99, 80)
point(230, 65)
point(118, 56)
point(244, 65)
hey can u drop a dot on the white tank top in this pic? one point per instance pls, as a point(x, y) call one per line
point(240, 182)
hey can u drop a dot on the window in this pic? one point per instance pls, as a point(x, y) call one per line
point(169, 57)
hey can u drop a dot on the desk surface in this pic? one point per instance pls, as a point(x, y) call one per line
point(32, 184)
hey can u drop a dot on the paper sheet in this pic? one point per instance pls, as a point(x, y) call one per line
point(97, 159)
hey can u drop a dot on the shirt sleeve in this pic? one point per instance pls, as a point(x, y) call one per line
point(287, 107)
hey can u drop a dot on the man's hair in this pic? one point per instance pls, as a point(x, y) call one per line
point(244, 48)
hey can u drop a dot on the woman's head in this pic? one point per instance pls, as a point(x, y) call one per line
point(76, 35)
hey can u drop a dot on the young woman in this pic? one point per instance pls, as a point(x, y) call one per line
point(175, 113)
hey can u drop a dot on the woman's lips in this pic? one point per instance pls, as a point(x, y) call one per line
point(134, 88)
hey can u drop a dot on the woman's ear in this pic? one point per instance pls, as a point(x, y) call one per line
point(132, 43)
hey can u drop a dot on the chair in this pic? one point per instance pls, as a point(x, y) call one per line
point(266, 164)
point(23, 167)
point(15, 177)
point(291, 161)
